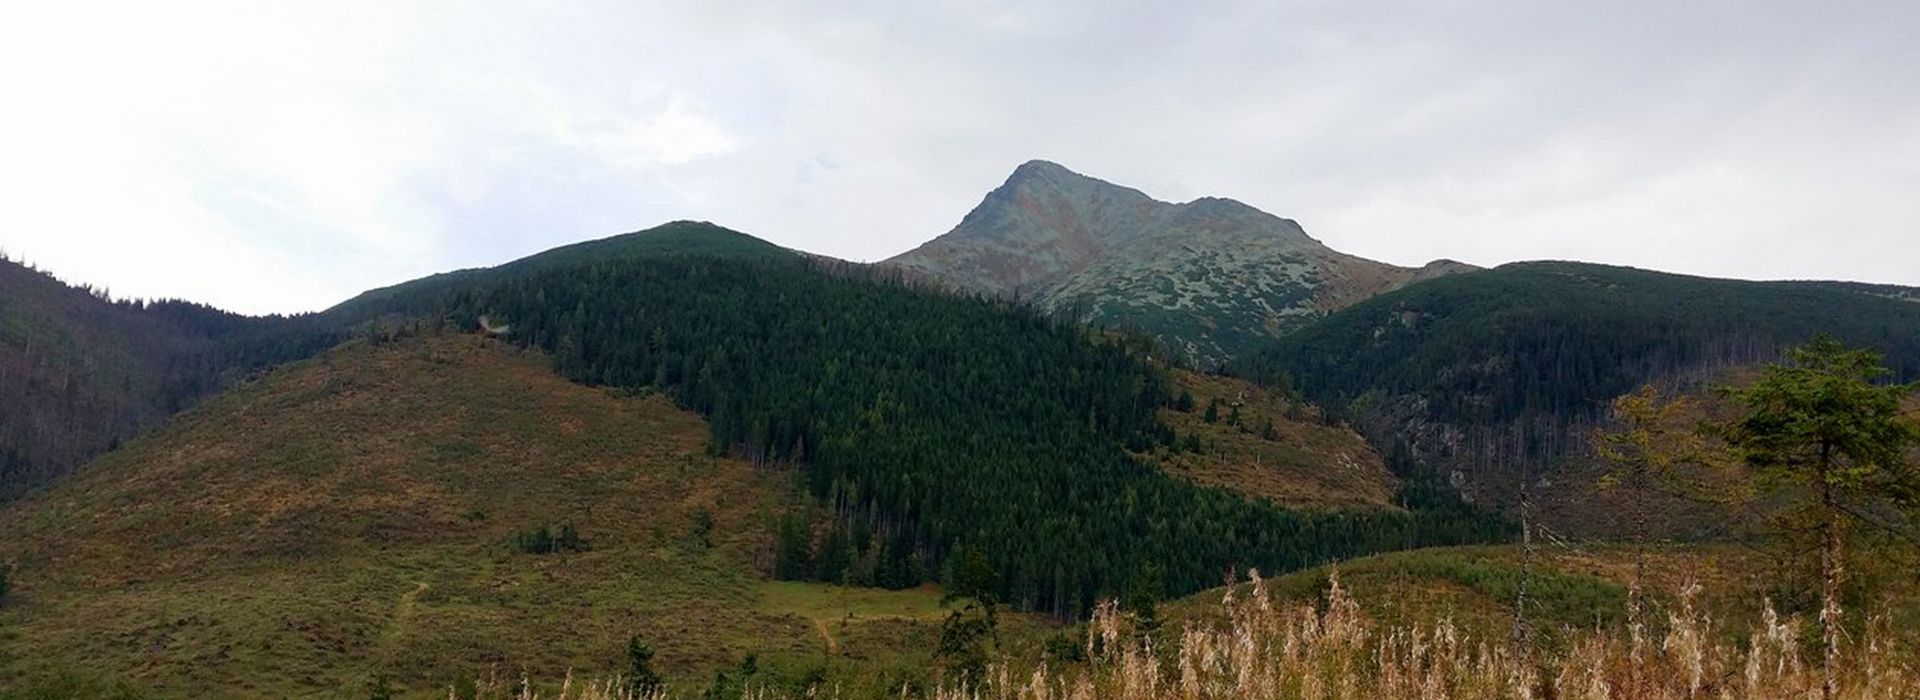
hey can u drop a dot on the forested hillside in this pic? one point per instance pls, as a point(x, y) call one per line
point(1492, 372)
point(80, 371)
point(937, 422)
point(674, 239)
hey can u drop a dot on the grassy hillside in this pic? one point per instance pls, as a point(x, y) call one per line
point(356, 515)
point(1483, 373)
point(1266, 446)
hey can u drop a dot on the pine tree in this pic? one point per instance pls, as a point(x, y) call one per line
point(1143, 598)
point(642, 680)
point(568, 540)
point(1821, 430)
point(793, 560)
point(1213, 411)
point(970, 631)
point(836, 557)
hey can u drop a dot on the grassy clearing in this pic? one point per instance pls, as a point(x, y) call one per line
point(814, 600)
point(1303, 464)
point(861, 623)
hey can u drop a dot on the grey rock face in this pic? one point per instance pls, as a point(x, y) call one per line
point(1210, 278)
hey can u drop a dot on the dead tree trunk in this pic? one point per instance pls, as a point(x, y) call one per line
point(1830, 573)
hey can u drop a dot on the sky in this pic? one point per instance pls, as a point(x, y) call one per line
point(284, 156)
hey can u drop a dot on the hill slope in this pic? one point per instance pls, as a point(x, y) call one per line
point(939, 423)
point(80, 372)
point(355, 514)
point(1267, 446)
point(1481, 374)
point(677, 239)
point(1211, 278)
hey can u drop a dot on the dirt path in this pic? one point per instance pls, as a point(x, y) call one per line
point(833, 647)
point(403, 611)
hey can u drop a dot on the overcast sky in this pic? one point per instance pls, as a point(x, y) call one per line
point(269, 156)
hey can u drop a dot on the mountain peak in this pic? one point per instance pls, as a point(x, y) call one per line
point(1210, 277)
point(1038, 168)
point(1036, 176)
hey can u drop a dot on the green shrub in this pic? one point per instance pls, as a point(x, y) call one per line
point(548, 540)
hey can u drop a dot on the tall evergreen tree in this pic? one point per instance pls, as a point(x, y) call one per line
point(1143, 598)
point(971, 630)
point(793, 558)
point(642, 681)
point(1824, 431)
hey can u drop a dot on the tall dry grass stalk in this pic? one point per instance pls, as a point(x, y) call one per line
point(1259, 650)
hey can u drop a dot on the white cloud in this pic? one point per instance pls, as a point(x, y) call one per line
point(677, 133)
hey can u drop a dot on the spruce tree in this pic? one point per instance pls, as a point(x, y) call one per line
point(642, 680)
point(971, 629)
point(1823, 431)
point(1143, 598)
point(793, 560)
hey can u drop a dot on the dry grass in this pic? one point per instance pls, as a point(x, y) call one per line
point(1304, 465)
point(1333, 650)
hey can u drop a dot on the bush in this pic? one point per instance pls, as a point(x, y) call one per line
point(548, 540)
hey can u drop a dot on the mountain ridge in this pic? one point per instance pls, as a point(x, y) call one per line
point(1482, 375)
point(677, 237)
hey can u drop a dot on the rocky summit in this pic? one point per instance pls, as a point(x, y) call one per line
point(1211, 279)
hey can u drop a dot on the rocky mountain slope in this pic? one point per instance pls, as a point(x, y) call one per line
point(1212, 278)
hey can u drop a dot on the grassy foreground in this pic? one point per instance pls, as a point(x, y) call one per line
point(1252, 647)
